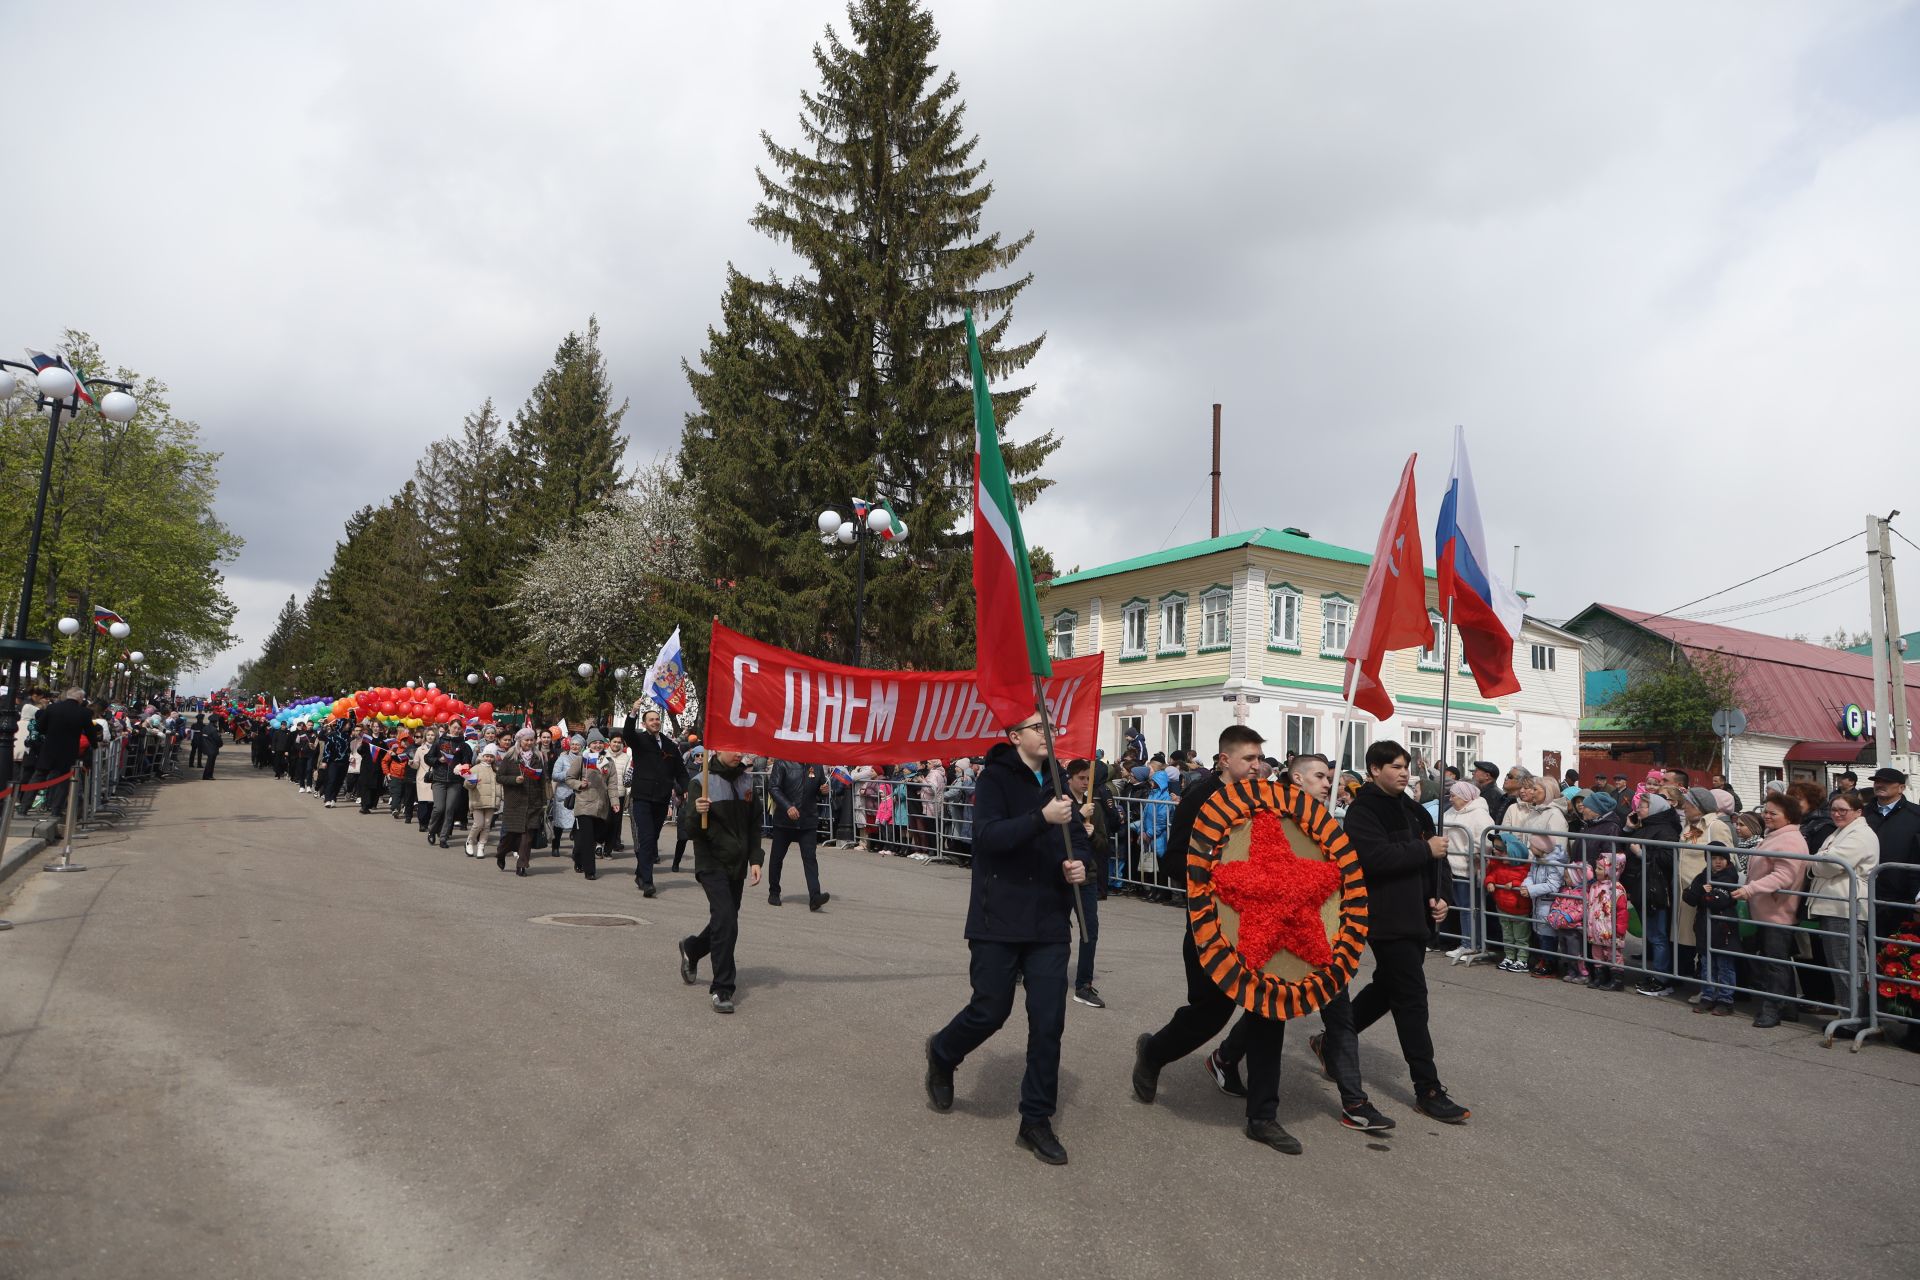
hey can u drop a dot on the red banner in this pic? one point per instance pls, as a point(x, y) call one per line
point(774, 702)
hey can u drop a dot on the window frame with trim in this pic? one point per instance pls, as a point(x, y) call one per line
point(1430, 654)
point(1141, 607)
point(1346, 603)
point(1216, 605)
point(1300, 744)
point(1284, 591)
point(1178, 649)
point(1064, 624)
point(1534, 652)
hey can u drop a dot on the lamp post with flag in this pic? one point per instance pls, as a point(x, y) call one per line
point(870, 523)
point(61, 391)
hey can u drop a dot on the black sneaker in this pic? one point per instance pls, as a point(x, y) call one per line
point(722, 1004)
point(1436, 1105)
point(1146, 1077)
point(939, 1082)
point(1226, 1075)
point(1270, 1132)
point(1089, 997)
point(773, 899)
point(814, 904)
point(1039, 1139)
point(1318, 1043)
point(688, 965)
point(1364, 1117)
point(1655, 988)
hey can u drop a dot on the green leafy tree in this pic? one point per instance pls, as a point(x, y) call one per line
point(129, 524)
point(849, 379)
point(1676, 703)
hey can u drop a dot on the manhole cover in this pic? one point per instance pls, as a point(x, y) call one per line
point(593, 921)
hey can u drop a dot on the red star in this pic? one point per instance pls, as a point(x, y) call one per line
point(1278, 895)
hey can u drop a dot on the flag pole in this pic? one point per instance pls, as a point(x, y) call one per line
point(1446, 708)
point(1060, 789)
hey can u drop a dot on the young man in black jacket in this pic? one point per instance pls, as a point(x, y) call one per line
point(1405, 865)
point(796, 790)
point(1018, 914)
point(656, 771)
point(1208, 1008)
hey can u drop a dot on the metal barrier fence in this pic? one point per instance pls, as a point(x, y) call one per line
point(1893, 956)
point(1805, 964)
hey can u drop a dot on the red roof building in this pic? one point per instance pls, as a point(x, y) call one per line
point(1795, 694)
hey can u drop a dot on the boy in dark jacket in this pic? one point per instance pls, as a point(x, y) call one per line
point(1017, 926)
point(1716, 927)
point(1405, 865)
point(726, 849)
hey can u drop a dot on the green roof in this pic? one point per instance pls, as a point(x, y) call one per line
point(1272, 539)
point(1913, 646)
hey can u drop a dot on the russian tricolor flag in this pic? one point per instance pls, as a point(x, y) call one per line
point(1486, 611)
point(41, 360)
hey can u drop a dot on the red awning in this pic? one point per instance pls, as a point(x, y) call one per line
point(1842, 752)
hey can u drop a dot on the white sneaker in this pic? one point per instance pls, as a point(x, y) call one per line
point(327, 805)
point(1455, 954)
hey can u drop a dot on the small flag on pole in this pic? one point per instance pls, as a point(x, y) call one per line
point(1011, 640)
point(41, 360)
point(103, 618)
point(1486, 611)
point(1393, 604)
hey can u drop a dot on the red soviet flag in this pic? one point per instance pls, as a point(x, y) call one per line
point(1393, 605)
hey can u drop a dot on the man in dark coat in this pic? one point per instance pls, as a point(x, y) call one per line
point(1896, 820)
point(1017, 927)
point(656, 772)
point(207, 739)
point(726, 852)
point(1405, 865)
point(1208, 1008)
point(1486, 776)
point(795, 790)
point(62, 723)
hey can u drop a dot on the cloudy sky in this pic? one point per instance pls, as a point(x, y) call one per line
point(1659, 259)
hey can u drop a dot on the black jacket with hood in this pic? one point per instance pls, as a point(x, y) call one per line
point(1389, 835)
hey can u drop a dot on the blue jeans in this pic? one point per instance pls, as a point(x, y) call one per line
point(1459, 926)
point(1656, 927)
point(1720, 979)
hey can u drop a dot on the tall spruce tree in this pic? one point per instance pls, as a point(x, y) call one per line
point(850, 379)
point(456, 487)
point(564, 446)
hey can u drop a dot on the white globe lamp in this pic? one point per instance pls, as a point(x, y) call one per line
point(69, 626)
point(585, 669)
point(119, 631)
point(118, 406)
point(878, 520)
point(829, 523)
point(56, 383)
point(847, 532)
point(136, 656)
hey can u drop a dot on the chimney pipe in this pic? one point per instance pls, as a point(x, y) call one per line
point(1216, 471)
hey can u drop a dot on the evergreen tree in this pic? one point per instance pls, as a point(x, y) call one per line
point(564, 446)
point(850, 378)
point(457, 486)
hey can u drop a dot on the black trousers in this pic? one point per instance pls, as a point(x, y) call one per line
point(1774, 975)
point(1083, 967)
point(723, 927)
point(1342, 1047)
point(586, 838)
point(807, 838)
point(648, 817)
point(336, 773)
point(211, 756)
point(1399, 987)
point(1203, 1017)
point(1043, 967)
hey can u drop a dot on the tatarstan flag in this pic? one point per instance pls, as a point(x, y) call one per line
point(1010, 639)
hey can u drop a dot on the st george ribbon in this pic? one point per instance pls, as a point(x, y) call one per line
point(773, 702)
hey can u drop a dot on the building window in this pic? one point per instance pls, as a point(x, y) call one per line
point(1302, 735)
point(1133, 629)
point(1431, 651)
point(1466, 749)
point(1173, 623)
point(1216, 619)
point(1063, 624)
point(1420, 746)
point(1336, 617)
point(1283, 618)
point(1543, 657)
point(1353, 747)
point(1131, 728)
point(1179, 732)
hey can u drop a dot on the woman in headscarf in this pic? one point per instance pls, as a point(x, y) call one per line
point(1466, 827)
point(522, 776)
point(590, 809)
point(1704, 825)
point(1649, 879)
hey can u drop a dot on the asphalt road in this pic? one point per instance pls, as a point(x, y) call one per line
point(260, 1038)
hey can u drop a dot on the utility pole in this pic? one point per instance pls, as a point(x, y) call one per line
point(1892, 735)
point(1216, 472)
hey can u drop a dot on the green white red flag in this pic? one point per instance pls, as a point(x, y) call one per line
point(1010, 639)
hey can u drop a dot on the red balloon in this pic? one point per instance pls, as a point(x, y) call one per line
point(486, 711)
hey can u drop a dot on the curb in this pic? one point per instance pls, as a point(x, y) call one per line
point(21, 854)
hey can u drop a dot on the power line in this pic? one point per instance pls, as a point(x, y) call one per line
point(1182, 516)
point(1668, 613)
point(1904, 538)
point(1793, 604)
point(1748, 604)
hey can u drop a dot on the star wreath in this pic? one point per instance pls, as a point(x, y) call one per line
point(1277, 896)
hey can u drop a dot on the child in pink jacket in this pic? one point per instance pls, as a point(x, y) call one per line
point(1606, 924)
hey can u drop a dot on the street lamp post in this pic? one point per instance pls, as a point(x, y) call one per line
point(879, 525)
point(57, 390)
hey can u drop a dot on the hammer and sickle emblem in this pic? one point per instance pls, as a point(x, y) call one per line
point(1393, 561)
